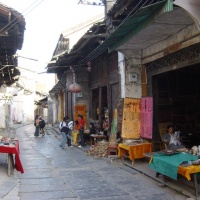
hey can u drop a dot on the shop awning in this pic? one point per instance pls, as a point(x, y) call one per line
point(12, 29)
point(147, 26)
point(61, 85)
point(57, 88)
point(192, 7)
point(87, 50)
point(130, 27)
point(86, 44)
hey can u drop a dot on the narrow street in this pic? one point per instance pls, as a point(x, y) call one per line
point(53, 173)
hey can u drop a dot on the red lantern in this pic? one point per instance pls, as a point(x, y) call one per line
point(75, 88)
point(89, 69)
point(89, 64)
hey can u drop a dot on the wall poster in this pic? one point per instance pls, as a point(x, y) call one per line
point(131, 118)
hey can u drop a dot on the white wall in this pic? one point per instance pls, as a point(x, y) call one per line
point(132, 65)
point(2, 118)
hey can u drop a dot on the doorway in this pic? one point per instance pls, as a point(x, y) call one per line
point(176, 102)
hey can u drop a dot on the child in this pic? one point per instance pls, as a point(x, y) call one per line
point(64, 131)
point(69, 135)
point(42, 125)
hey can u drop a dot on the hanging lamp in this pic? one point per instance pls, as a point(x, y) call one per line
point(75, 88)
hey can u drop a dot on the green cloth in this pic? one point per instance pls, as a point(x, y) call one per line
point(168, 164)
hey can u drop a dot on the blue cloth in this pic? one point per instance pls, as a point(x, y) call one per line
point(168, 164)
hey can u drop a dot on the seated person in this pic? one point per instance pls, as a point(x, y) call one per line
point(92, 131)
point(172, 139)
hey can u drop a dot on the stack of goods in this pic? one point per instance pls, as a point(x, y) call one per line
point(99, 149)
point(4, 141)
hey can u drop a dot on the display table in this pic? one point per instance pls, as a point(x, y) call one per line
point(10, 150)
point(134, 151)
point(94, 138)
point(169, 165)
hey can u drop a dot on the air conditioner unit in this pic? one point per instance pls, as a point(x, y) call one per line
point(133, 77)
point(79, 95)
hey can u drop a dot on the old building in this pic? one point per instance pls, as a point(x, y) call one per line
point(70, 49)
point(160, 43)
point(12, 26)
point(150, 49)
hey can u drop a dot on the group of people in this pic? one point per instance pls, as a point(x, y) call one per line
point(39, 124)
point(170, 138)
point(66, 127)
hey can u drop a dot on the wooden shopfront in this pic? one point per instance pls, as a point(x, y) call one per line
point(103, 86)
point(174, 83)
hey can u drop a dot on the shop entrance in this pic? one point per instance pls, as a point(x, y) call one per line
point(176, 97)
point(99, 104)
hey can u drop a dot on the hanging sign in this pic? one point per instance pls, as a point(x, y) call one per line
point(131, 118)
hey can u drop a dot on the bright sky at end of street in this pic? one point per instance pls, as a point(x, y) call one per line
point(45, 20)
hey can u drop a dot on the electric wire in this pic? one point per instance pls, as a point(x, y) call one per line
point(94, 54)
point(15, 22)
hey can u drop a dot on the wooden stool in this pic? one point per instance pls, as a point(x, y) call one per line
point(112, 150)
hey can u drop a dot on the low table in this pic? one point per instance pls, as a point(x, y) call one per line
point(95, 137)
point(169, 165)
point(10, 150)
point(134, 151)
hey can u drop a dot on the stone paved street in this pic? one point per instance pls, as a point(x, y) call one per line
point(53, 173)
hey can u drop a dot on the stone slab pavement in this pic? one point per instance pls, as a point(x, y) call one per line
point(54, 173)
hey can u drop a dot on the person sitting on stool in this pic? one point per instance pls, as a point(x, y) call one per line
point(172, 139)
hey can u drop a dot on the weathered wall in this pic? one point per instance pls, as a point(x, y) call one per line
point(2, 118)
point(132, 65)
point(121, 65)
point(183, 39)
point(82, 79)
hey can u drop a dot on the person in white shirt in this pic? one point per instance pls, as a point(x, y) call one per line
point(69, 135)
point(64, 131)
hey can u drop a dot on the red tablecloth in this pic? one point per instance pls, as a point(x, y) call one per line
point(14, 150)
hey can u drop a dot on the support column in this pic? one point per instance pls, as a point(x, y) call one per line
point(144, 81)
point(121, 66)
point(61, 111)
point(55, 108)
